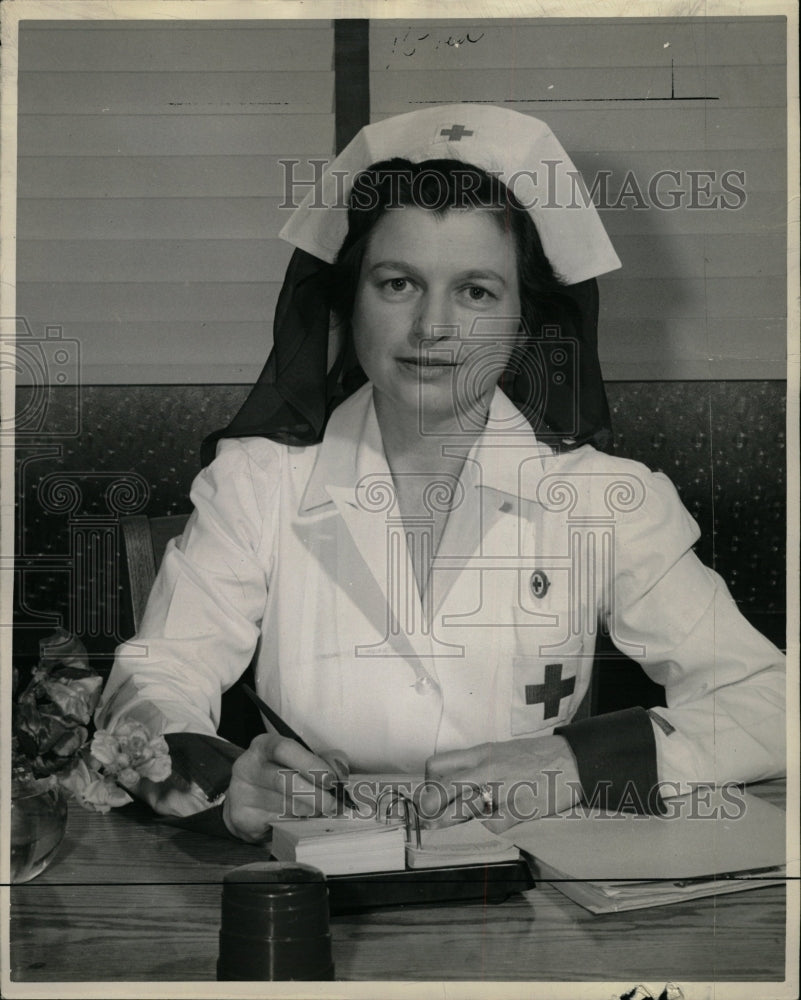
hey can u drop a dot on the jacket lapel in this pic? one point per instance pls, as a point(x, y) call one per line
point(501, 468)
point(485, 531)
point(351, 473)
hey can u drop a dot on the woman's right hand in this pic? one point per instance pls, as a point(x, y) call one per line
point(277, 777)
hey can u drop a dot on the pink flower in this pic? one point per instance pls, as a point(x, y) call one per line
point(158, 768)
point(128, 778)
point(104, 794)
point(50, 736)
point(133, 736)
point(77, 778)
point(93, 791)
point(104, 748)
point(130, 750)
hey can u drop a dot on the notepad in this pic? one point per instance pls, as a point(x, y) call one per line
point(349, 844)
point(341, 846)
point(467, 843)
point(625, 862)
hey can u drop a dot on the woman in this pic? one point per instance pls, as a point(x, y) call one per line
point(422, 586)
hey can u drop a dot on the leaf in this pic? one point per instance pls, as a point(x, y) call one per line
point(75, 699)
point(70, 742)
point(63, 647)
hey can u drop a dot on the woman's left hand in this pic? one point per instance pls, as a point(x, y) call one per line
point(501, 783)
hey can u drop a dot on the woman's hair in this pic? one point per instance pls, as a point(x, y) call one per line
point(440, 186)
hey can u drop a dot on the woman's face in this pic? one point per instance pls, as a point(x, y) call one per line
point(437, 310)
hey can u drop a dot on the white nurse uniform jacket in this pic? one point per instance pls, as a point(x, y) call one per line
point(295, 557)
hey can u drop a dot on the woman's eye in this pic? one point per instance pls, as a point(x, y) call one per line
point(397, 284)
point(478, 294)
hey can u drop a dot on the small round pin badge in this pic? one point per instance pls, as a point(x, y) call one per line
point(539, 583)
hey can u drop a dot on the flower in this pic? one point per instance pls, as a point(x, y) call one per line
point(159, 767)
point(51, 733)
point(128, 777)
point(104, 748)
point(130, 752)
point(133, 737)
point(93, 791)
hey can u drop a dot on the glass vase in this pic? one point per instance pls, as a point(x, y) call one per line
point(38, 824)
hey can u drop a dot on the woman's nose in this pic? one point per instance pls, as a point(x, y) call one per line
point(435, 319)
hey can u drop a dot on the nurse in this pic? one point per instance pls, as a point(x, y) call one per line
point(418, 572)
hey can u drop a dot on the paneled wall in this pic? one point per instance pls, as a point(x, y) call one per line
point(150, 186)
point(678, 127)
point(151, 177)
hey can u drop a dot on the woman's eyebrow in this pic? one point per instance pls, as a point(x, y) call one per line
point(474, 274)
point(393, 265)
point(478, 275)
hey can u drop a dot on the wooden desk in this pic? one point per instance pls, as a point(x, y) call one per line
point(129, 898)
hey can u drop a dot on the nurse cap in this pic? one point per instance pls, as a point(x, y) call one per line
point(521, 151)
point(298, 387)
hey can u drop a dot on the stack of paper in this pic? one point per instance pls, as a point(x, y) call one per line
point(464, 844)
point(341, 846)
point(709, 844)
point(601, 896)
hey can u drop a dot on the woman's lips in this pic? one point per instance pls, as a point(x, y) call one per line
point(428, 362)
point(427, 367)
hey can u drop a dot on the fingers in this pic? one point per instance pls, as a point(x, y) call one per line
point(276, 778)
point(340, 763)
point(461, 797)
point(498, 824)
point(268, 751)
point(271, 760)
point(444, 765)
point(251, 823)
point(456, 786)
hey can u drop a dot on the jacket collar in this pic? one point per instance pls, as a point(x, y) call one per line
point(352, 449)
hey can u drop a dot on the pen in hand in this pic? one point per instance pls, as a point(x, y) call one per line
point(339, 791)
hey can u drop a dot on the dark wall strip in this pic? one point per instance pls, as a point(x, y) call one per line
point(351, 78)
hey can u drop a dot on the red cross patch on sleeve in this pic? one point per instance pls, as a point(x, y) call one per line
point(542, 694)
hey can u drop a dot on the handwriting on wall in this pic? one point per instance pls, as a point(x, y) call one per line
point(413, 42)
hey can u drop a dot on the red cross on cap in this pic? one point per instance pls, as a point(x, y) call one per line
point(455, 133)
